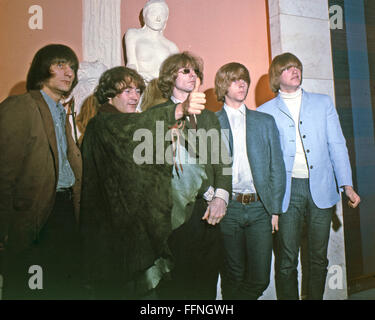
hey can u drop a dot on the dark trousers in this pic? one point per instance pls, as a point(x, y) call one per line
point(196, 248)
point(302, 210)
point(56, 252)
point(247, 237)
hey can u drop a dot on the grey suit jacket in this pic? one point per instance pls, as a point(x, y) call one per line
point(264, 155)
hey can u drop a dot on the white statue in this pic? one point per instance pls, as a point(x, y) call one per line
point(147, 48)
point(88, 77)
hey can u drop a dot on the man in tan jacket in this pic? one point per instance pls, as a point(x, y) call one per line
point(40, 182)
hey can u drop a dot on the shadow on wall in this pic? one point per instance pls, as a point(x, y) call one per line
point(211, 101)
point(124, 50)
point(18, 88)
point(263, 93)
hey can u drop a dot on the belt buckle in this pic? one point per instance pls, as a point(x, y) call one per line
point(246, 198)
point(65, 192)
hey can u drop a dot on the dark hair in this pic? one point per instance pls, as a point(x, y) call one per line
point(40, 69)
point(278, 65)
point(169, 70)
point(228, 73)
point(114, 81)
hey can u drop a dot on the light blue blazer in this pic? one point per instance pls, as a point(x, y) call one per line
point(323, 142)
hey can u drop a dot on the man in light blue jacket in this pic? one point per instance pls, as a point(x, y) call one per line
point(317, 167)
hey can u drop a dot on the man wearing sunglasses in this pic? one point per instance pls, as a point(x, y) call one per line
point(136, 204)
point(195, 245)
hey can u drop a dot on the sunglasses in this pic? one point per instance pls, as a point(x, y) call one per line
point(188, 70)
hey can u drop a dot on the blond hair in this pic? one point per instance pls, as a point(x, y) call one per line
point(152, 95)
point(278, 65)
point(228, 73)
point(88, 110)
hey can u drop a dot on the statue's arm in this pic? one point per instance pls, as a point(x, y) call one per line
point(173, 48)
point(130, 43)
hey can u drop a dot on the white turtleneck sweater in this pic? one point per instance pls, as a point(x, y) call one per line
point(293, 102)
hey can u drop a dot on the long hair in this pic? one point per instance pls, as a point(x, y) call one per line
point(228, 73)
point(278, 65)
point(169, 70)
point(40, 69)
point(114, 81)
point(152, 95)
point(88, 110)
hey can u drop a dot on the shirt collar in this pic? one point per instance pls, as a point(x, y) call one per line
point(292, 95)
point(175, 100)
point(233, 111)
point(50, 101)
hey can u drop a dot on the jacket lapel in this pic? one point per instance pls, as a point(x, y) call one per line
point(226, 130)
point(304, 105)
point(48, 125)
point(251, 136)
point(282, 106)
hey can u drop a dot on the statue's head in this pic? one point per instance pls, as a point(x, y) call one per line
point(155, 14)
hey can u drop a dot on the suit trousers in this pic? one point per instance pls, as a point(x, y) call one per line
point(247, 237)
point(197, 252)
point(56, 252)
point(302, 214)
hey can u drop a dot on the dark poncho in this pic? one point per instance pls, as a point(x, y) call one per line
point(126, 207)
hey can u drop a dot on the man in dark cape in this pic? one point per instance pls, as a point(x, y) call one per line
point(128, 209)
point(127, 206)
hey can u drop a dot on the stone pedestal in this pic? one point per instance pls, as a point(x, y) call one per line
point(102, 32)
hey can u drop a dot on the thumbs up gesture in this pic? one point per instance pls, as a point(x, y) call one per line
point(194, 104)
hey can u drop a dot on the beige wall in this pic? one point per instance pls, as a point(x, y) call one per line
point(218, 31)
point(62, 23)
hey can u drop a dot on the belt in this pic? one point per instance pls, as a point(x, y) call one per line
point(64, 190)
point(64, 193)
point(245, 198)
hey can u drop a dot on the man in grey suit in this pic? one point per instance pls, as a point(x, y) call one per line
point(258, 187)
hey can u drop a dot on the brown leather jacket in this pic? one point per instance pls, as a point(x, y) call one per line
point(29, 168)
